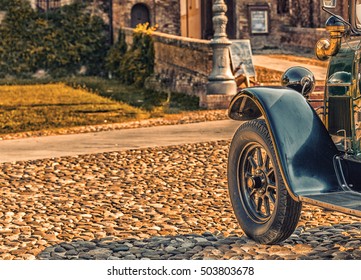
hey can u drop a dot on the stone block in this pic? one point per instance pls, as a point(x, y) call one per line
point(215, 101)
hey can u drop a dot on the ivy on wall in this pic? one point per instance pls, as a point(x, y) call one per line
point(61, 41)
point(133, 64)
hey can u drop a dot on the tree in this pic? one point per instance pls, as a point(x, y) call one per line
point(60, 41)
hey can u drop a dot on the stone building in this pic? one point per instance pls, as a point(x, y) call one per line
point(128, 13)
point(267, 23)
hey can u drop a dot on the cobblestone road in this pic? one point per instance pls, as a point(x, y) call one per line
point(156, 203)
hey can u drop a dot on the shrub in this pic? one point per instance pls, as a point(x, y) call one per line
point(138, 62)
point(16, 40)
point(116, 54)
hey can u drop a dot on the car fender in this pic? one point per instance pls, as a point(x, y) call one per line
point(304, 149)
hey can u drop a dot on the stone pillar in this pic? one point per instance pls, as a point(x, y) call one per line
point(221, 80)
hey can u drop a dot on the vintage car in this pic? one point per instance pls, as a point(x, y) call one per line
point(286, 152)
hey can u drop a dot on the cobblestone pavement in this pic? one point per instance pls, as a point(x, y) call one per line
point(156, 203)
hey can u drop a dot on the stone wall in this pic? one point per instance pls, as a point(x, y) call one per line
point(166, 14)
point(184, 64)
point(259, 41)
point(181, 64)
point(301, 38)
point(307, 13)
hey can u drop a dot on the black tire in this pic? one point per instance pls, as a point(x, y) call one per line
point(264, 209)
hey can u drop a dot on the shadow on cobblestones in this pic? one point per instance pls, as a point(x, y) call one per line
point(339, 242)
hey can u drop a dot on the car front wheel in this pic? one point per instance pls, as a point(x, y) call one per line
point(263, 207)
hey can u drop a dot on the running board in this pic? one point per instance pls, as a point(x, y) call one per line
point(347, 202)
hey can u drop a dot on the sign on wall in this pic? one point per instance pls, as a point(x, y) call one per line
point(258, 19)
point(241, 54)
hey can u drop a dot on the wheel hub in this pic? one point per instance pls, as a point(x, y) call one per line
point(258, 181)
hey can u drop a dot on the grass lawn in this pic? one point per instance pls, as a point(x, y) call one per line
point(112, 89)
point(138, 97)
point(48, 106)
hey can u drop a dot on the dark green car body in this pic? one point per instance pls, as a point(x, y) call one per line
point(318, 154)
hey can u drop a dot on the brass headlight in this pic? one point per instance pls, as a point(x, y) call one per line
point(330, 47)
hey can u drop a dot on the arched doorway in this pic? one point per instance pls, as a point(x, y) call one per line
point(139, 15)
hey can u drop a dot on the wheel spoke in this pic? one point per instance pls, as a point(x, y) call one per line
point(253, 201)
point(252, 162)
point(259, 157)
point(247, 174)
point(252, 193)
point(267, 206)
point(271, 196)
point(270, 173)
point(259, 205)
point(267, 163)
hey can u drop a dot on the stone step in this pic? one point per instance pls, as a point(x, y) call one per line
point(316, 95)
point(319, 87)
